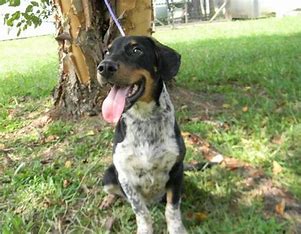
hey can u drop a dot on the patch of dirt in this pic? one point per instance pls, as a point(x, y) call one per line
point(198, 104)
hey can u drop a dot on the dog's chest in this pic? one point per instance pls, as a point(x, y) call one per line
point(147, 154)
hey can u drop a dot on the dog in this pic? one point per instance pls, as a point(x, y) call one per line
point(148, 149)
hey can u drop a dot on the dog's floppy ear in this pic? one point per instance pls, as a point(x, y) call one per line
point(168, 61)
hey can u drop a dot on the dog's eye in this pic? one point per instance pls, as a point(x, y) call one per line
point(137, 51)
point(106, 52)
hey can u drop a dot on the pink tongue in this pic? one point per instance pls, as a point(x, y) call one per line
point(113, 105)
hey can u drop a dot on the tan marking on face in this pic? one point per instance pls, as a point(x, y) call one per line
point(133, 42)
point(129, 76)
point(149, 86)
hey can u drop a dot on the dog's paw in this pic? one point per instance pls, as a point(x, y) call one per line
point(144, 230)
point(108, 201)
point(174, 220)
point(144, 225)
point(177, 229)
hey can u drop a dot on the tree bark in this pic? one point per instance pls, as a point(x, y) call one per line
point(84, 29)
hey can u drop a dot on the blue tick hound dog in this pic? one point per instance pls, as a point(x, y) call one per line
point(148, 149)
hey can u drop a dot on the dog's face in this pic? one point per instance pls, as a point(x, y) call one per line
point(136, 66)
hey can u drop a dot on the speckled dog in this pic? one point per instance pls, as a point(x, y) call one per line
point(148, 148)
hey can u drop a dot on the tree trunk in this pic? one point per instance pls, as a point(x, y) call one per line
point(84, 29)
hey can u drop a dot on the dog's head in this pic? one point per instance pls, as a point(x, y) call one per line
point(136, 67)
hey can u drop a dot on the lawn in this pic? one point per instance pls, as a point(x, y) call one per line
point(238, 94)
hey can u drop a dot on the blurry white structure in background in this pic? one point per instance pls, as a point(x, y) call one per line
point(245, 9)
point(240, 9)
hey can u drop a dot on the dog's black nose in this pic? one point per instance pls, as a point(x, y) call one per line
point(107, 68)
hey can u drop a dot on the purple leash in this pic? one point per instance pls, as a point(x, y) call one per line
point(114, 18)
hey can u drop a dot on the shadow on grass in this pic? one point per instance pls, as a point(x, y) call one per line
point(257, 80)
point(208, 210)
point(260, 73)
point(254, 84)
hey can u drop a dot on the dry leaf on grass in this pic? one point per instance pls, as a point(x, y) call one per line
point(109, 222)
point(66, 183)
point(226, 105)
point(200, 216)
point(245, 109)
point(51, 138)
point(280, 207)
point(68, 164)
point(278, 140)
point(197, 216)
point(276, 168)
point(107, 201)
point(90, 133)
point(233, 164)
point(2, 146)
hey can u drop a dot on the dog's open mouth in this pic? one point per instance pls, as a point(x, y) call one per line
point(119, 99)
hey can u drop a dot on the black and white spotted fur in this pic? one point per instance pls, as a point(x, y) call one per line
point(148, 153)
point(147, 164)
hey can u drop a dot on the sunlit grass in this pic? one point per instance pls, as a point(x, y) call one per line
point(50, 178)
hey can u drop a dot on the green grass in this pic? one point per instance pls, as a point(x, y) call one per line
point(28, 70)
point(50, 177)
point(253, 64)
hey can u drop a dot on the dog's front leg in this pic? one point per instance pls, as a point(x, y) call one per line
point(143, 217)
point(173, 219)
point(173, 198)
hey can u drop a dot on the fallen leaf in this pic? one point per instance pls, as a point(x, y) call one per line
point(66, 183)
point(2, 146)
point(185, 134)
point(226, 126)
point(107, 201)
point(197, 216)
point(51, 138)
point(226, 106)
point(109, 223)
point(232, 163)
point(280, 207)
point(90, 133)
point(47, 202)
point(276, 168)
point(68, 164)
point(245, 109)
point(200, 216)
point(217, 159)
point(278, 140)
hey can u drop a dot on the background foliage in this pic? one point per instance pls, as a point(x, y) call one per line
point(32, 15)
